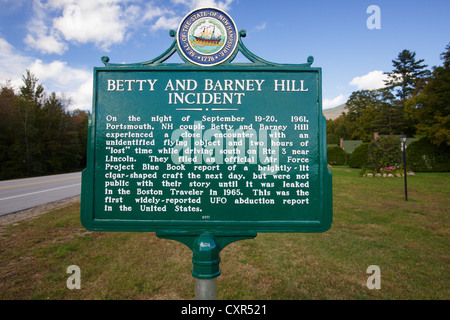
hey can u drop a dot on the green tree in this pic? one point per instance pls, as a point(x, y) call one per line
point(408, 76)
point(360, 101)
point(79, 122)
point(372, 111)
point(389, 117)
point(424, 156)
point(37, 134)
point(361, 106)
point(7, 128)
point(337, 129)
point(26, 147)
point(430, 108)
point(58, 142)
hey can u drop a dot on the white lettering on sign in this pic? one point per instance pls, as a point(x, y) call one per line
point(181, 91)
point(147, 158)
point(130, 85)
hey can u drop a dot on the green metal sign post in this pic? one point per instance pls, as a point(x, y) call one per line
point(207, 152)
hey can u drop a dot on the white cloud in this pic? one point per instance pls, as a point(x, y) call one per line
point(152, 11)
point(56, 23)
point(5, 47)
point(330, 103)
point(103, 23)
point(12, 64)
point(45, 43)
point(159, 17)
point(370, 81)
point(166, 23)
point(81, 97)
point(192, 4)
point(165, 19)
point(56, 76)
point(40, 36)
point(261, 26)
point(58, 72)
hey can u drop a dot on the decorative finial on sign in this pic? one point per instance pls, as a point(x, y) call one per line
point(105, 60)
point(243, 33)
point(172, 33)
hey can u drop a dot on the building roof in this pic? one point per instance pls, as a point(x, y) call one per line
point(350, 145)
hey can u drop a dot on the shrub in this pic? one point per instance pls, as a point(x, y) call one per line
point(358, 158)
point(336, 156)
point(423, 156)
point(385, 152)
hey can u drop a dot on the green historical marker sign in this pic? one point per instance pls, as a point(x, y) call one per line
point(207, 146)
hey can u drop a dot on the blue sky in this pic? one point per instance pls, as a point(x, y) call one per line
point(61, 41)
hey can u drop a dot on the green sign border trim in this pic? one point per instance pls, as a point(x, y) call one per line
point(188, 228)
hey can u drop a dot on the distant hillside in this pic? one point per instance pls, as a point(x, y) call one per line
point(335, 112)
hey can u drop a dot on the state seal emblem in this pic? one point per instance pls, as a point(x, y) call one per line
point(207, 36)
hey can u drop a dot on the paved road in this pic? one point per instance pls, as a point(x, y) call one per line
point(21, 194)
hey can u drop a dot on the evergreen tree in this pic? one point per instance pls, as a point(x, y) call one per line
point(430, 109)
point(414, 102)
point(37, 134)
point(57, 141)
point(7, 125)
point(408, 76)
point(25, 150)
point(361, 107)
point(389, 117)
point(79, 122)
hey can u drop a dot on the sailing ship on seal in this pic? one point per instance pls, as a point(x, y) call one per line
point(208, 37)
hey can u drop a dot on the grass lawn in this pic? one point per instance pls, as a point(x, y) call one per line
point(372, 225)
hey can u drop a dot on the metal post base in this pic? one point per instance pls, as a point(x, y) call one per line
point(206, 289)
